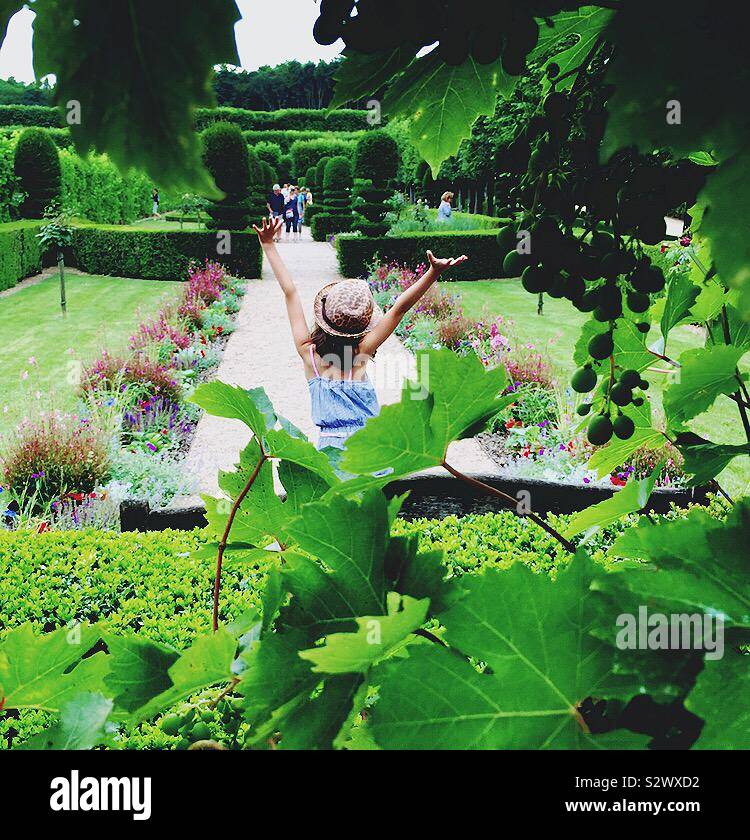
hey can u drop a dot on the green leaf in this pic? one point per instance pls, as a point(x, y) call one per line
point(739, 329)
point(709, 302)
point(681, 295)
point(591, 328)
point(453, 397)
point(316, 724)
point(252, 406)
point(375, 638)
point(702, 564)
point(36, 671)
point(362, 75)
point(533, 633)
point(705, 374)
point(631, 352)
point(587, 23)
point(633, 497)
point(81, 726)
point(705, 460)
point(442, 103)
point(147, 677)
point(703, 159)
point(720, 698)
point(135, 70)
point(278, 443)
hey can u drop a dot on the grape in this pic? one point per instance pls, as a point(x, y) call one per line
point(630, 378)
point(506, 238)
point(553, 70)
point(601, 346)
point(600, 430)
point(536, 280)
point(170, 724)
point(455, 49)
point(486, 45)
point(583, 409)
point(327, 31)
point(638, 301)
point(620, 394)
point(623, 427)
point(584, 380)
point(514, 263)
point(643, 327)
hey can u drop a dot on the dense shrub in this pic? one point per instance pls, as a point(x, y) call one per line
point(51, 455)
point(227, 158)
point(258, 187)
point(310, 181)
point(323, 225)
point(286, 169)
point(307, 153)
point(269, 152)
point(95, 189)
point(376, 158)
point(269, 179)
point(60, 136)
point(20, 252)
point(158, 255)
point(38, 115)
point(337, 184)
point(356, 253)
point(37, 170)
point(285, 139)
point(304, 119)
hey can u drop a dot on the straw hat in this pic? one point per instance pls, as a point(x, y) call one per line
point(346, 309)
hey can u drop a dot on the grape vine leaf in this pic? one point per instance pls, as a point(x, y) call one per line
point(633, 497)
point(442, 102)
point(681, 296)
point(82, 725)
point(705, 374)
point(376, 636)
point(704, 460)
point(136, 73)
point(720, 698)
point(146, 677)
point(37, 671)
point(453, 398)
point(533, 633)
point(252, 406)
point(363, 75)
point(708, 304)
point(586, 23)
point(702, 563)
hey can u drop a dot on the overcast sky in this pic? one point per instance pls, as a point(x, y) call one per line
point(269, 33)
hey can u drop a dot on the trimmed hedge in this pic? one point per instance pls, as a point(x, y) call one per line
point(325, 224)
point(307, 153)
point(157, 254)
point(285, 139)
point(36, 166)
point(20, 252)
point(303, 119)
point(356, 252)
point(60, 136)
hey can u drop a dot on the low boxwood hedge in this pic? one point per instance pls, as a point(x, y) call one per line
point(356, 253)
point(159, 254)
point(20, 252)
point(325, 224)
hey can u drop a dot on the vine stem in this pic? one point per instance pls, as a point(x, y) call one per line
point(493, 491)
point(738, 393)
point(225, 537)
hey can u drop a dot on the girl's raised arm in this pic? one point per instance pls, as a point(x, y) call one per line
point(300, 331)
point(405, 301)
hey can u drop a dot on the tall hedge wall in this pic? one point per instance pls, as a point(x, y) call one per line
point(307, 153)
point(20, 252)
point(159, 255)
point(356, 252)
point(286, 139)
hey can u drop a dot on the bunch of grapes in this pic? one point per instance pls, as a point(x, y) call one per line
point(599, 265)
point(198, 724)
point(462, 28)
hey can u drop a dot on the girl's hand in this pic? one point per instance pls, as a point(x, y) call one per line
point(442, 265)
point(268, 230)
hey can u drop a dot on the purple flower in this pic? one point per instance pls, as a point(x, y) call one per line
point(151, 447)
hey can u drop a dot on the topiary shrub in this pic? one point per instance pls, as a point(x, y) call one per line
point(320, 170)
point(227, 158)
point(375, 167)
point(269, 177)
point(337, 184)
point(37, 168)
point(324, 225)
point(258, 187)
point(269, 152)
point(310, 181)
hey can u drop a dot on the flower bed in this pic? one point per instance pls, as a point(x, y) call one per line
point(133, 424)
point(539, 435)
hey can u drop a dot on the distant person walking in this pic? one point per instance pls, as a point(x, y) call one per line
point(301, 202)
point(445, 211)
point(285, 191)
point(155, 202)
point(291, 216)
point(276, 204)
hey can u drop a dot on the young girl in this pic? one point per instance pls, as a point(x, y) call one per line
point(349, 329)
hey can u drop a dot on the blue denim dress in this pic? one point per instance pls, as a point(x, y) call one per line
point(340, 407)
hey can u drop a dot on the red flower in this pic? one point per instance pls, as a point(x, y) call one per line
point(43, 526)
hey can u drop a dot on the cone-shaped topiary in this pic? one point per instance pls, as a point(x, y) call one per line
point(37, 167)
point(258, 188)
point(337, 185)
point(375, 166)
point(310, 181)
point(226, 156)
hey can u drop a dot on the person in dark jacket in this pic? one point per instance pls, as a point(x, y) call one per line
point(291, 216)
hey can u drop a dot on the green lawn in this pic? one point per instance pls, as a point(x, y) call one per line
point(557, 330)
point(102, 313)
point(164, 224)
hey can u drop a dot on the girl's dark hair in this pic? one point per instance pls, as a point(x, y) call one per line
point(335, 349)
